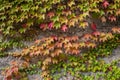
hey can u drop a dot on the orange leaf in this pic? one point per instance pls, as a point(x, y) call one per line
point(66, 12)
point(71, 22)
point(115, 30)
point(74, 38)
point(75, 45)
point(87, 36)
point(68, 45)
point(75, 51)
point(50, 14)
point(44, 73)
point(59, 45)
point(51, 47)
point(118, 12)
point(89, 44)
point(103, 19)
point(96, 33)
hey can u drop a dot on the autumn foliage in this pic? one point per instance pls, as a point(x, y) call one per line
point(54, 49)
point(18, 17)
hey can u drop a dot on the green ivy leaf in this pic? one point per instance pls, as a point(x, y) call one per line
point(57, 25)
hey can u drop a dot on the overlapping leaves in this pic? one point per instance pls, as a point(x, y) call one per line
point(18, 16)
point(52, 50)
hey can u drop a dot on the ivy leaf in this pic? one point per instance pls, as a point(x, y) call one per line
point(112, 18)
point(50, 14)
point(71, 3)
point(89, 44)
point(93, 26)
point(24, 25)
point(43, 26)
point(54, 61)
point(83, 24)
point(47, 61)
point(51, 47)
point(87, 36)
point(56, 52)
point(109, 35)
point(68, 45)
point(105, 3)
point(57, 25)
point(66, 12)
point(71, 22)
point(55, 18)
point(103, 39)
point(3, 18)
point(82, 44)
point(44, 73)
point(25, 7)
point(75, 51)
point(115, 30)
point(96, 33)
point(118, 12)
point(22, 30)
point(102, 34)
point(63, 20)
point(74, 38)
point(64, 28)
point(50, 25)
point(75, 45)
point(54, 37)
point(59, 45)
point(103, 19)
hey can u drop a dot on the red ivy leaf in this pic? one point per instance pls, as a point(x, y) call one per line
point(96, 33)
point(24, 25)
point(105, 4)
point(42, 26)
point(50, 14)
point(64, 28)
point(50, 25)
point(93, 26)
point(112, 18)
point(55, 37)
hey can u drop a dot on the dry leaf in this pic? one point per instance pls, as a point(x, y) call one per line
point(103, 19)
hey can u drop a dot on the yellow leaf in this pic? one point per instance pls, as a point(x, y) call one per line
point(44, 73)
point(92, 45)
point(54, 61)
point(102, 39)
point(109, 35)
point(70, 3)
point(95, 10)
point(63, 20)
point(71, 22)
point(44, 67)
point(82, 44)
point(102, 34)
point(80, 17)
